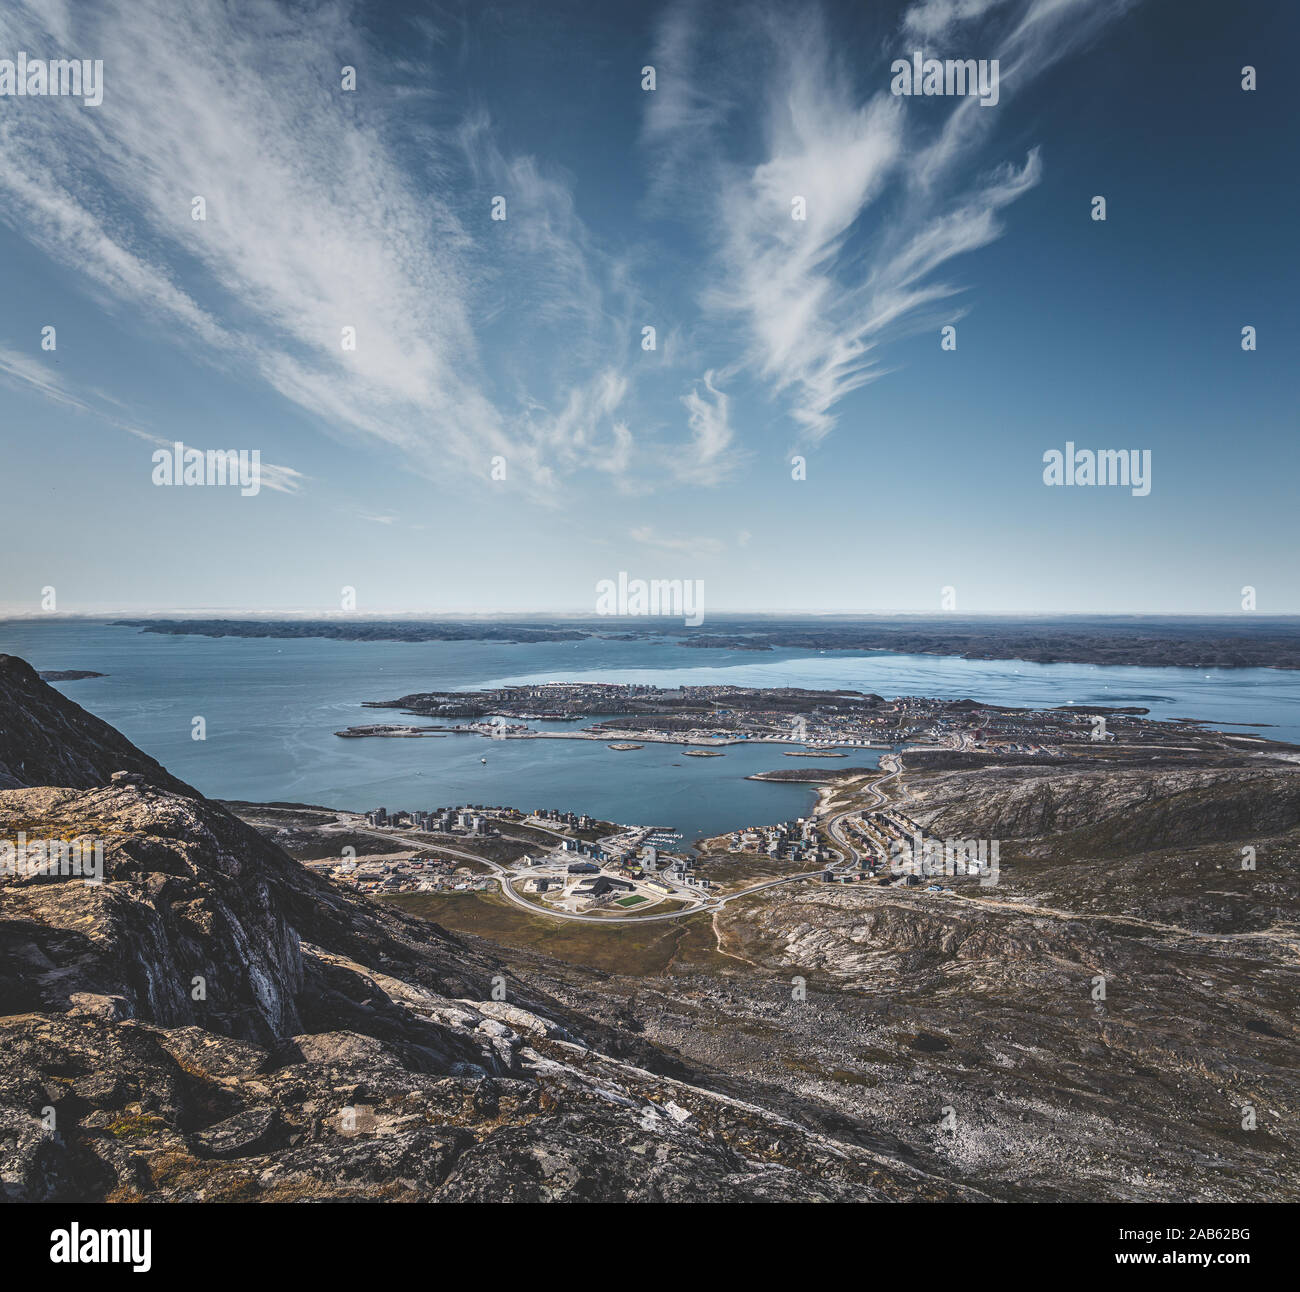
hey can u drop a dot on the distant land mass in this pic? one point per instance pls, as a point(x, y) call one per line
point(1148, 641)
point(67, 674)
point(1127, 640)
point(359, 630)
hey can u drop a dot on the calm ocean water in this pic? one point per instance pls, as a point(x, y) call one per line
point(272, 706)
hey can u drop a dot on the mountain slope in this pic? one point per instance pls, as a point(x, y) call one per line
point(46, 739)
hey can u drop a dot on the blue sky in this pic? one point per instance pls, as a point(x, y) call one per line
point(669, 208)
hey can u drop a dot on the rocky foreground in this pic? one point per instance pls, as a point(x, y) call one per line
point(213, 1022)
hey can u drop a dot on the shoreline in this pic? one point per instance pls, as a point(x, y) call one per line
point(613, 738)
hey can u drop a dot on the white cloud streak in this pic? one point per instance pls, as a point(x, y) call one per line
point(887, 202)
point(20, 371)
point(315, 223)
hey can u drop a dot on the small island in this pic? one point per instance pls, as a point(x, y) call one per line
point(808, 775)
point(67, 674)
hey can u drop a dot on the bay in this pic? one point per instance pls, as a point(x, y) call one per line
point(271, 707)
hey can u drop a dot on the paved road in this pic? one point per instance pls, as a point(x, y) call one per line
point(834, 827)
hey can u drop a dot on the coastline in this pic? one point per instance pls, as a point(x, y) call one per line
point(610, 737)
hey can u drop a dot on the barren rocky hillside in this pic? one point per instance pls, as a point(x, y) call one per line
point(1123, 809)
point(968, 1026)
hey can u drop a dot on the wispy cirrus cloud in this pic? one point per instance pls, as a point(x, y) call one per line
point(932, 19)
point(316, 221)
point(708, 457)
point(888, 198)
point(311, 226)
point(20, 371)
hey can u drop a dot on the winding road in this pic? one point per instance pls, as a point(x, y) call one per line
point(834, 827)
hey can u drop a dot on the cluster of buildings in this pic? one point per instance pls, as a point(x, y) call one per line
point(865, 876)
point(898, 849)
point(620, 870)
point(553, 817)
point(550, 700)
point(474, 819)
point(626, 855)
point(1020, 731)
point(888, 829)
point(713, 715)
point(498, 730)
point(468, 820)
point(674, 870)
point(595, 886)
point(580, 879)
point(626, 867)
point(1034, 732)
point(577, 851)
point(877, 836)
point(787, 840)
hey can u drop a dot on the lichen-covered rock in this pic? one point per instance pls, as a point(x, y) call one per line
point(238, 1136)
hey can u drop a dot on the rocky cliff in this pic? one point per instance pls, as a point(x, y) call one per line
point(45, 739)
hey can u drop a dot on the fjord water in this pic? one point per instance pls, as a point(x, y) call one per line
point(271, 708)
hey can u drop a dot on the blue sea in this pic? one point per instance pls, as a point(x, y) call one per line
point(272, 706)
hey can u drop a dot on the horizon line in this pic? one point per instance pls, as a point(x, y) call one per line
point(180, 614)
